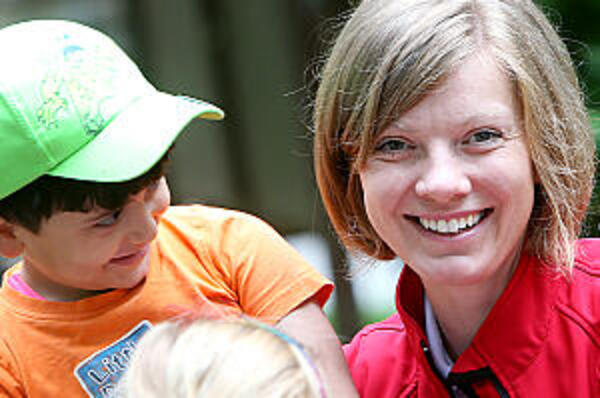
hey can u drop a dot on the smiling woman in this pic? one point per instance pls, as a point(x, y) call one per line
point(461, 156)
point(453, 134)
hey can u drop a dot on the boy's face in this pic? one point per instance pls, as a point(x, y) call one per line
point(76, 255)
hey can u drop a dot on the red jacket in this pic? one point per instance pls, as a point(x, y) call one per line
point(541, 339)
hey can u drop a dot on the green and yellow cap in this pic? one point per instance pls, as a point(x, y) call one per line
point(73, 105)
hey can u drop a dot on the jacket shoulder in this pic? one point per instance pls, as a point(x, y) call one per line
point(380, 358)
point(587, 256)
point(583, 290)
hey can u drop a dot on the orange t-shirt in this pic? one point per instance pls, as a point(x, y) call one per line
point(204, 260)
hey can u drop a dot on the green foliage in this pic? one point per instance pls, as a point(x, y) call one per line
point(590, 76)
point(592, 222)
point(577, 23)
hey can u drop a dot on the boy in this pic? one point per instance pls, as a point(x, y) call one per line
point(83, 198)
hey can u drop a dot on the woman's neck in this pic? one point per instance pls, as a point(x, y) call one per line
point(461, 309)
point(459, 313)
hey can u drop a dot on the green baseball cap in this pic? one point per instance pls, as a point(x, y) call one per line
point(73, 105)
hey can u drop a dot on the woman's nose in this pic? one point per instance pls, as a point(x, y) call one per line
point(443, 179)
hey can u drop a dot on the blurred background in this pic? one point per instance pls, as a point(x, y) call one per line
point(258, 60)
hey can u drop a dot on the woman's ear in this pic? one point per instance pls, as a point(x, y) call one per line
point(10, 245)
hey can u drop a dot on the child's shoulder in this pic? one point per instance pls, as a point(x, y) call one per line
point(206, 213)
point(210, 221)
point(207, 217)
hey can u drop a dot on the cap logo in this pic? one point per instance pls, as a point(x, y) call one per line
point(82, 85)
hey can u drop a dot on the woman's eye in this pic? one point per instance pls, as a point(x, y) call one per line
point(392, 145)
point(483, 137)
point(109, 220)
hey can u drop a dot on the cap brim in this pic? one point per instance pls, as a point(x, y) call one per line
point(136, 139)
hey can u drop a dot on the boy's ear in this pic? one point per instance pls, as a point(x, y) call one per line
point(10, 245)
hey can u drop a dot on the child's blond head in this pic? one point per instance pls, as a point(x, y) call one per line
point(220, 358)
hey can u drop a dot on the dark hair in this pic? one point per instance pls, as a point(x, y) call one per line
point(47, 195)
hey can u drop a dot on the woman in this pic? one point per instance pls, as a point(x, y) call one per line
point(453, 134)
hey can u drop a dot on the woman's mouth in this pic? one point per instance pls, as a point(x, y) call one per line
point(452, 226)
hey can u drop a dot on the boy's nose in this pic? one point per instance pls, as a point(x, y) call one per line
point(149, 206)
point(443, 179)
point(158, 200)
point(143, 227)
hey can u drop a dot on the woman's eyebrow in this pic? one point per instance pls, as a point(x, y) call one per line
point(479, 118)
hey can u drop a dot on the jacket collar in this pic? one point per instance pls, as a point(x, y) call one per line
point(514, 331)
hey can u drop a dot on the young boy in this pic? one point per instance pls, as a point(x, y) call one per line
point(84, 140)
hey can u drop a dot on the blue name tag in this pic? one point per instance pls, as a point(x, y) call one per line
point(100, 373)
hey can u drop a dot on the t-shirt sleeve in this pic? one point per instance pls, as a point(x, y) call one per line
point(270, 277)
point(241, 262)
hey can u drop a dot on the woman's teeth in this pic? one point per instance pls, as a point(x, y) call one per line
point(452, 225)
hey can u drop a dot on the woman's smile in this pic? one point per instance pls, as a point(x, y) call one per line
point(451, 225)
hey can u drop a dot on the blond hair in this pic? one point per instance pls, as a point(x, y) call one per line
point(232, 358)
point(391, 53)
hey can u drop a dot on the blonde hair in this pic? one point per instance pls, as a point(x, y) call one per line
point(391, 53)
point(219, 358)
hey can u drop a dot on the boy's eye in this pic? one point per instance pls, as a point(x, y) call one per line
point(108, 220)
point(483, 137)
point(154, 185)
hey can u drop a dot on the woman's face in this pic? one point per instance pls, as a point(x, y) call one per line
point(450, 184)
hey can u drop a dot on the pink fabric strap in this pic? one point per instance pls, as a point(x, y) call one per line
point(16, 282)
